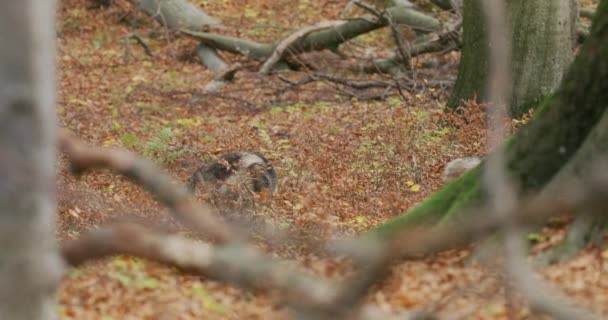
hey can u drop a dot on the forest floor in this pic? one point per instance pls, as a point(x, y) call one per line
point(344, 165)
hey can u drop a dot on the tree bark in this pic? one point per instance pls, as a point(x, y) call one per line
point(176, 14)
point(542, 35)
point(319, 40)
point(563, 134)
point(29, 261)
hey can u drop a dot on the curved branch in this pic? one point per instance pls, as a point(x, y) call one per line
point(198, 216)
point(232, 262)
point(446, 41)
point(287, 42)
point(322, 39)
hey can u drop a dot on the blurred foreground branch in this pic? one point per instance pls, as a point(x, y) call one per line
point(309, 297)
point(145, 173)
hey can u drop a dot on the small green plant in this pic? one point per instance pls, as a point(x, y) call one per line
point(130, 141)
point(132, 272)
point(164, 147)
point(206, 299)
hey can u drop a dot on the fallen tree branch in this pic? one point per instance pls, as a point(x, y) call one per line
point(176, 14)
point(210, 58)
point(444, 42)
point(397, 83)
point(286, 43)
point(320, 39)
point(397, 36)
point(226, 75)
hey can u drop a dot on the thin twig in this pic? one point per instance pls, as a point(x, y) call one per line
point(166, 30)
point(140, 41)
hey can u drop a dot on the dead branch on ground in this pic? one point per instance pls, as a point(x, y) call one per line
point(342, 86)
point(190, 20)
point(225, 76)
point(443, 42)
point(319, 39)
point(397, 36)
point(286, 43)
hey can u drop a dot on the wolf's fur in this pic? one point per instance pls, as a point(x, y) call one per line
point(230, 181)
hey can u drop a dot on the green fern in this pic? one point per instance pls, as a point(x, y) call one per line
point(163, 147)
point(160, 143)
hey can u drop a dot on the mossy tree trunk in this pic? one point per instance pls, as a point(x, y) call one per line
point(542, 36)
point(565, 133)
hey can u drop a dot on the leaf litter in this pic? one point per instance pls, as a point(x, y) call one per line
point(344, 166)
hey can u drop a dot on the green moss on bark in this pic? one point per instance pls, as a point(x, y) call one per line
point(449, 199)
point(539, 150)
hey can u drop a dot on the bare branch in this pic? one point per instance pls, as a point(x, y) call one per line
point(502, 193)
point(286, 43)
point(444, 42)
point(226, 75)
point(140, 41)
point(144, 172)
point(210, 58)
point(231, 263)
point(397, 36)
point(375, 260)
point(319, 39)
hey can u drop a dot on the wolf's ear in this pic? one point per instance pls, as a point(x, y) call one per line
point(271, 177)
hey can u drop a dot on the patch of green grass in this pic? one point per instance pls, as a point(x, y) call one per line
point(206, 298)
point(131, 272)
point(163, 147)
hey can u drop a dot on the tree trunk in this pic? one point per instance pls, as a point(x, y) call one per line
point(29, 261)
point(543, 35)
point(562, 135)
